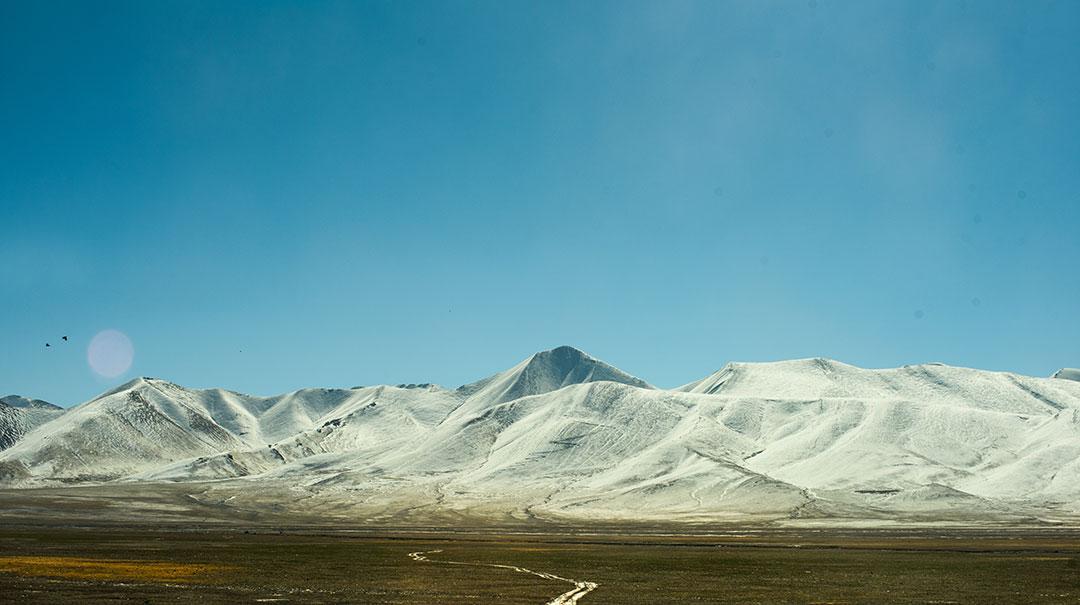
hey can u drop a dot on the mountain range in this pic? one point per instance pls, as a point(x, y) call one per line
point(564, 437)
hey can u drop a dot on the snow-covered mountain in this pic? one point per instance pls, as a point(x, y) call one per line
point(148, 423)
point(19, 415)
point(563, 436)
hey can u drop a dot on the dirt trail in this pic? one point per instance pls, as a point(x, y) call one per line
point(581, 588)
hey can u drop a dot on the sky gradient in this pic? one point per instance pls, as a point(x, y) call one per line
point(267, 196)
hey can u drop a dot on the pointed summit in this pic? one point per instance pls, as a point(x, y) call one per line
point(547, 371)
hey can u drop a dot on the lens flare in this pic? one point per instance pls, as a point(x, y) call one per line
point(110, 353)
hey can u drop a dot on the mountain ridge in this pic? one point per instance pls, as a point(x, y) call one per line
point(563, 436)
point(18, 401)
point(20, 415)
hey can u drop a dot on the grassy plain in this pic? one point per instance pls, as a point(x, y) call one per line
point(48, 564)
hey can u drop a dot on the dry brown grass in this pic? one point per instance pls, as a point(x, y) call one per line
point(106, 569)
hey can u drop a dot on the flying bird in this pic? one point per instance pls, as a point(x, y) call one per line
point(65, 338)
point(47, 345)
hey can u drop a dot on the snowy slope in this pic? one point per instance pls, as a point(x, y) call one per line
point(827, 425)
point(564, 436)
point(19, 415)
point(595, 450)
point(1068, 374)
point(371, 422)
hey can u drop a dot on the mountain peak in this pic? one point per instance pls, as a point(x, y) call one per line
point(548, 371)
point(132, 384)
point(565, 356)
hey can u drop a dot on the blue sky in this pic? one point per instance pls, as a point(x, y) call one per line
point(266, 196)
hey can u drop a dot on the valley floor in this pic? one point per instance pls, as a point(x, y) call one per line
point(50, 562)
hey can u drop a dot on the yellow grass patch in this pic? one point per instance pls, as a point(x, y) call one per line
point(105, 569)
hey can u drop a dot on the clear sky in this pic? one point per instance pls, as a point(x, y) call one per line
point(265, 196)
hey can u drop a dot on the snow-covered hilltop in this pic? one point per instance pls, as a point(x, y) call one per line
point(19, 415)
point(563, 436)
point(1068, 374)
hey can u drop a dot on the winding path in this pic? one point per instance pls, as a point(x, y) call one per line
point(581, 588)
